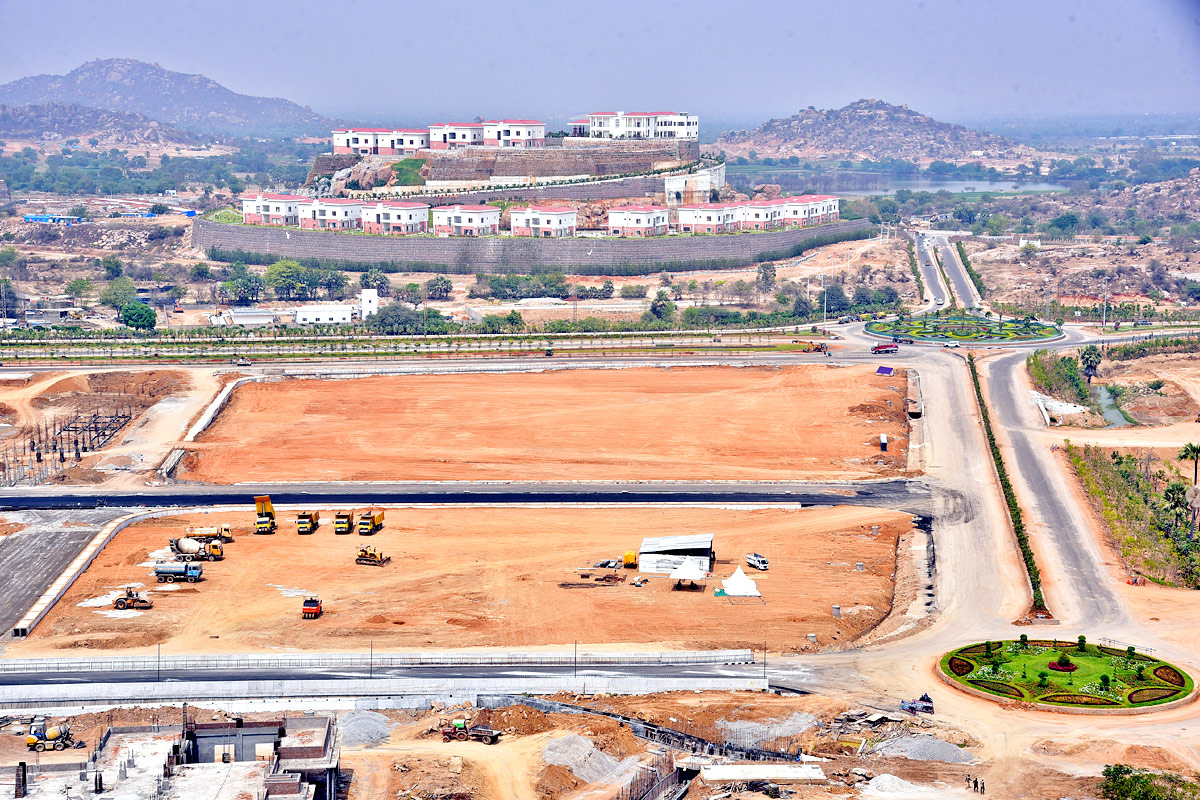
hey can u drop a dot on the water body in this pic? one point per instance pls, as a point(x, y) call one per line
point(888, 184)
point(1108, 408)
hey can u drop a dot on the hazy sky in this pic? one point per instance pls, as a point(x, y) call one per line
point(408, 58)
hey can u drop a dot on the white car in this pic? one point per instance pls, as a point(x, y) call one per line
point(941, 301)
point(950, 344)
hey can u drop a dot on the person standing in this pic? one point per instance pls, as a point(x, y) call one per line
point(975, 788)
point(982, 788)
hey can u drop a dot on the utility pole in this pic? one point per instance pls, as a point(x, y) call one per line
point(825, 299)
point(1047, 300)
point(1104, 314)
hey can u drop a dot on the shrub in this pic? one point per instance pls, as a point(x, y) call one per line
point(1042, 676)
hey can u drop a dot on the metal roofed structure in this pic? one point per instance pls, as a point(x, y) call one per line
point(662, 554)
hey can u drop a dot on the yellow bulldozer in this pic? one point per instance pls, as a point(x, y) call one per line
point(371, 557)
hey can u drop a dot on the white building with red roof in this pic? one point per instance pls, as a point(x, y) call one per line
point(759, 215)
point(637, 221)
point(400, 217)
point(272, 209)
point(708, 218)
point(809, 209)
point(514, 133)
point(331, 213)
point(543, 222)
point(461, 220)
point(453, 135)
point(643, 125)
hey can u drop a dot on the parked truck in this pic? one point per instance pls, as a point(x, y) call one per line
point(370, 522)
point(460, 730)
point(308, 521)
point(885, 348)
point(188, 549)
point(220, 533)
point(57, 737)
point(171, 571)
point(343, 522)
point(265, 521)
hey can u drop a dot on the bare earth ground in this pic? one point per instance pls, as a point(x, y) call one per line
point(630, 424)
point(487, 576)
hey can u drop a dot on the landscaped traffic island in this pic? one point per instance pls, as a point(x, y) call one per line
point(1066, 673)
point(964, 328)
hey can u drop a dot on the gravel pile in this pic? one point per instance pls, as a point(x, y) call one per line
point(578, 754)
point(925, 748)
point(755, 733)
point(364, 727)
point(889, 784)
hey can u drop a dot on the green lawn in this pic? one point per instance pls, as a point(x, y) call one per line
point(1017, 675)
point(964, 328)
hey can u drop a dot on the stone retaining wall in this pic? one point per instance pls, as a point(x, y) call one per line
point(610, 158)
point(464, 254)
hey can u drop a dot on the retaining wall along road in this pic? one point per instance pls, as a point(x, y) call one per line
point(468, 254)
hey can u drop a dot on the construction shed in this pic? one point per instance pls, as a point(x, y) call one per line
point(660, 555)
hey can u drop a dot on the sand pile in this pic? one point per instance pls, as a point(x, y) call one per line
point(364, 727)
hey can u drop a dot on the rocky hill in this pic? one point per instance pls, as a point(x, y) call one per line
point(61, 121)
point(866, 129)
point(191, 102)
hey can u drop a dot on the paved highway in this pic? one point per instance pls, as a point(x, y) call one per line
point(934, 289)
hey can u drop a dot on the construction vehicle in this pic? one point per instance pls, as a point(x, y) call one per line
point(922, 705)
point(308, 521)
point(218, 533)
point(370, 522)
point(630, 560)
point(132, 599)
point(371, 557)
point(57, 737)
point(758, 561)
point(188, 549)
point(458, 730)
point(343, 522)
point(311, 609)
point(265, 521)
point(171, 571)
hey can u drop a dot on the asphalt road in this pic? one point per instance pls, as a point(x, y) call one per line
point(906, 495)
point(964, 290)
point(929, 272)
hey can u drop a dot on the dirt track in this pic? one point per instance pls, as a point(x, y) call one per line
point(632, 424)
point(487, 576)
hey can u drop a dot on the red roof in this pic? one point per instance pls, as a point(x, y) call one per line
point(363, 130)
point(638, 208)
point(467, 208)
point(266, 196)
point(603, 114)
point(412, 130)
point(402, 204)
point(710, 206)
point(340, 201)
point(550, 209)
point(457, 125)
point(580, 122)
point(513, 122)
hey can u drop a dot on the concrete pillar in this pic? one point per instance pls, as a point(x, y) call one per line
point(812, 637)
point(837, 612)
point(858, 566)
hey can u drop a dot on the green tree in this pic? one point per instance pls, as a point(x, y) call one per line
point(1123, 782)
point(334, 283)
point(119, 293)
point(200, 272)
point(410, 293)
point(158, 209)
point(112, 267)
point(374, 278)
point(661, 307)
point(439, 288)
point(514, 321)
point(833, 299)
point(996, 224)
point(1090, 357)
point(1042, 676)
point(79, 288)
point(765, 279)
point(8, 256)
point(1191, 452)
point(138, 315)
point(286, 277)
point(1082, 643)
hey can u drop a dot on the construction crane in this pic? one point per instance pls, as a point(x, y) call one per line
point(265, 521)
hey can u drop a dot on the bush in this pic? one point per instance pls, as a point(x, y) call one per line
point(139, 316)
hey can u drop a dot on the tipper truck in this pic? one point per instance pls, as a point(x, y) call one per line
point(188, 549)
point(370, 523)
point(343, 522)
point(308, 521)
point(265, 521)
point(220, 533)
point(169, 572)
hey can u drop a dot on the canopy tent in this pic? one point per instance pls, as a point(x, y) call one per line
point(739, 585)
point(688, 571)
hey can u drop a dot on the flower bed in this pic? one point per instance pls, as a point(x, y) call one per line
point(964, 328)
point(1097, 677)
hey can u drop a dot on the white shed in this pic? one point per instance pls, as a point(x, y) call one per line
point(662, 554)
point(333, 314)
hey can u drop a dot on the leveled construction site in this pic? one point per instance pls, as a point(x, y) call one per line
point(677, 423)
point(487, 577)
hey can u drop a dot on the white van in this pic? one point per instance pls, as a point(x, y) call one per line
point(757, 561)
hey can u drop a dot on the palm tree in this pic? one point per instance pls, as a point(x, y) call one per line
point(1090, 358)
point(1191, 452)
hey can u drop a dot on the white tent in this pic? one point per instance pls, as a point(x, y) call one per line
point(688, 571)
point(738, 585)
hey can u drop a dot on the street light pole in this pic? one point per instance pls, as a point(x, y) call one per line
point(1104, 314)
point(825, 300)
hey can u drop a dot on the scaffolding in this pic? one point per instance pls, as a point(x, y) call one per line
point(59, 443)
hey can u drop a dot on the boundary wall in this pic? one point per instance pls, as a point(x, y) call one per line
point(489, 254)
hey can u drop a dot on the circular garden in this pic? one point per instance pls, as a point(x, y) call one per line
point(965, 328)
point(1064, 673)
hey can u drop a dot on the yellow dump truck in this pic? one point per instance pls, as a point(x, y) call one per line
point(265, 521)
point(370, 522)
point(343, 522)
point(308, 521)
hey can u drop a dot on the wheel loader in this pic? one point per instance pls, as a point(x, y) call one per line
point(371, 557)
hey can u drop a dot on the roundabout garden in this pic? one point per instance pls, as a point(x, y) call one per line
point(965, 328)
point(1066, 674)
